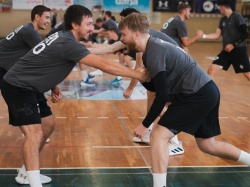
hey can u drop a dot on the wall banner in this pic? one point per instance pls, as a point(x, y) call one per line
point(118, 5)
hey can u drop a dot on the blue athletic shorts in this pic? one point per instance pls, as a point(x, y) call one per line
point(25, 106)
point(196, 114)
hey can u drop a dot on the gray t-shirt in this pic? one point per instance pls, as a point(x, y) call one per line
point(230, 29)
point(48, 63)
point(17, 44)
point(161, 35)
point(184, 75)
point(175, 28)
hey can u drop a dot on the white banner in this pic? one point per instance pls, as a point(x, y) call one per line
point(58, 4)
point(25, 4)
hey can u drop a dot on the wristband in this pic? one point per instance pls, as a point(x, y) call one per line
point(204, 36)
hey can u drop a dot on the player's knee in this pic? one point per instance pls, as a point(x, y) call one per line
point(206, 148)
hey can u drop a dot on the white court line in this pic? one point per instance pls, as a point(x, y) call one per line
point(119, 147)
point(82, 117)
point(102, 117)
point(242, 117)
point(139, 167)
point(123, 117)
point(223, 117)
point(1, 117)
point(141, 117)
point(61, 117)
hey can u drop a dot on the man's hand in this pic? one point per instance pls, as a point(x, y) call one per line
point(229, 48)
point(127, 93)
point(140, 131)
point(56, 94)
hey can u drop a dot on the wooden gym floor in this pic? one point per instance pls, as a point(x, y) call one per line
point(92, 144)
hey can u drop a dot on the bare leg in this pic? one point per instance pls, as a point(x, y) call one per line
point(160, 137)
point(32, 144)
point(218, 148)
point(48, 126)
point(212, 70)
point(247, 75)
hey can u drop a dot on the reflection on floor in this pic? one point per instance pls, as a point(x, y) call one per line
point(139, 177)
point(104, 90)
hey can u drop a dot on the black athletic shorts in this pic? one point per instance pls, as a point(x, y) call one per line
point(196, 114)
point(2, 73)
point(238, 57)
point(25, 106)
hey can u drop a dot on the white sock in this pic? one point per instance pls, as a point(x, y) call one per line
point(119, 77)
point(151, 126)
point(175, 140)
point(34, 178)
point(160, 179)
point(84, 75)
point(244, 158)
point(23, 168)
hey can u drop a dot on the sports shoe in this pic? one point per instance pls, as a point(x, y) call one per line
point(116, 80)
point(47, 141)
point(91, 77)
point(87, 83)
point(22, 178)
point(96, 73)
point(175, 149)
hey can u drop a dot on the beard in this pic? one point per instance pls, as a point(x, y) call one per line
point(131, 45)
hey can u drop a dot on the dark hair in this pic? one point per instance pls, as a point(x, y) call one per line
point(113, 18)
point(128, 11)
point(98, 20)
point(224, 2)
point(108, 13)
point(182, 6)
point(75, 14)
point(39, 9)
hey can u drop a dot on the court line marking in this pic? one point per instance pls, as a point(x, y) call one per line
point(123, 147)
point(101, 117)
point(139, 167)
point(125, 126)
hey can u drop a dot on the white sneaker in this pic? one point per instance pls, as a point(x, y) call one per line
point(175, 149)
point(22, 178)
point(87, 83)
point(96, 73)
point(47, 141)
point(145, 139)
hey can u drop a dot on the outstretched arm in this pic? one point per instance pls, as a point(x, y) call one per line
point(213, 36)
point(114, 68)
point(101, 49)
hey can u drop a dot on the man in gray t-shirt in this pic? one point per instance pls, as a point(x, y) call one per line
point(176, 28)
point(16, 45)
point(194, 97)
point(22, 39)
point(233, 29)
point(40, 70)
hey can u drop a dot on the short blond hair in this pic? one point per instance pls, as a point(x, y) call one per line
point(135, 22)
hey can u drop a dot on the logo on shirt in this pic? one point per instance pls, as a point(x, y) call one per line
point(13, 33)
point(48, 41)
